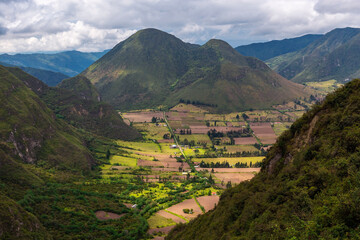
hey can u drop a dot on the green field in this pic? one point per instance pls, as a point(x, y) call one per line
point(325, 86)
point(196, 138)
point(279, 128)
point(157, 221)
point(123, 161)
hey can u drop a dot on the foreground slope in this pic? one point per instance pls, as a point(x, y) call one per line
point(30, 135)
point(333, 56)
point(77, 101)
point(308, 187)
point(153, 68)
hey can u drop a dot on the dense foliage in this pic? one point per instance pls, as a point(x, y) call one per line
point(309, 185)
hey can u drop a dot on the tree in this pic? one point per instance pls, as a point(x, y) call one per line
point(237, 116)
point(228, 185)
point(211, 180)
point(108, 154)
point(153, 119)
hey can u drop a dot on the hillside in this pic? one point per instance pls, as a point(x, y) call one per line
point(31, 135)
point(267, 50)
point(77, 102)
point(152, 68)
point(333, 56)
point(69, 63)
point(308, 187)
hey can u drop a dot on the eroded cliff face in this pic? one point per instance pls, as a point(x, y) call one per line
point(30, 131)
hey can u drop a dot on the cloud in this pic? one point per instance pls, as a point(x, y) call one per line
point(52, 25)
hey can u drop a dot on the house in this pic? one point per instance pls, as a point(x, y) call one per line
point(173, 146)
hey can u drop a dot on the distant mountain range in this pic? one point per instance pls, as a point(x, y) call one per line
point(333, 56)
point(69, 63)
point(267, 50)
point(152, 68)
point(50, 78)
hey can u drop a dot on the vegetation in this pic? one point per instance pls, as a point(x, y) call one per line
point(308, 187)
point(333, 56)
point(78, 103)
point(153, 68)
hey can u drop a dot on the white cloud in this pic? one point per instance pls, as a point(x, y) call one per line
point(53, 25)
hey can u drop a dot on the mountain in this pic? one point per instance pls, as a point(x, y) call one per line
point(308, 186)
point(35, 147)
point(333, 56)
point(152, 68)
point(77, 101)
point(69, 63)
point(267, 50)
point(50, 78)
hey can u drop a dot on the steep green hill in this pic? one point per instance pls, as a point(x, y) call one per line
point(31, 138)
point(267, 50)
point(153, 68)
point(69, 63)
point(308, 187)
point(77, 101)
point(333, 56)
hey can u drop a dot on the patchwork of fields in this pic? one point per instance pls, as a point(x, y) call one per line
point(218, 151)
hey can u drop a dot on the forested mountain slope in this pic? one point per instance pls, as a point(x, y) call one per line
point(308, 187)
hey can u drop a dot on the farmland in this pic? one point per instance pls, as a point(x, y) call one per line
point(217, 151)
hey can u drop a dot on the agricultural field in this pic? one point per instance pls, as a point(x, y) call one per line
point(169, 183)
point(325, 86)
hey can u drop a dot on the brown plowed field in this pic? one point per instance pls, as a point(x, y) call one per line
point(189, 204)
point(170, 216)
point(208, 202)
point(102, 215)
point(245, 140)
point(143, 116)
point(143, 163)
point(234, 177)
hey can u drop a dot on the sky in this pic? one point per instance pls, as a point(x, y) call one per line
point(95, 25)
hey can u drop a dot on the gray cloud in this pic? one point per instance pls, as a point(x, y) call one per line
point(92, 25)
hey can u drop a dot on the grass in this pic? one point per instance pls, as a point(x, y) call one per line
point(157, 221)
point(196, 137)
point(279, 128)
point(151, 130)
point(140, 146)
point(325, 86)
point(123, 161)
point(177, 215)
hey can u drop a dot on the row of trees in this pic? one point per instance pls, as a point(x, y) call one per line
point(225, 164)
point(198, 103)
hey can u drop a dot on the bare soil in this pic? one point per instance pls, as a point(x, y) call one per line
point(102, 215)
